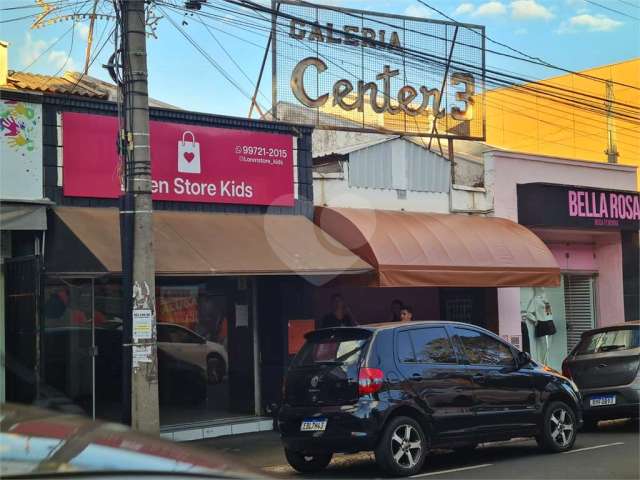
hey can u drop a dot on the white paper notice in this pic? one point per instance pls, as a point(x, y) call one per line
point(142, 321)
point(242, 315)
point(141, 355)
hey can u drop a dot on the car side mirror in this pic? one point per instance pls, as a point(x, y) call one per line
point(523, 359)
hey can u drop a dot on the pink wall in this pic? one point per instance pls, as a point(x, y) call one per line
point(574, 256)
point(505, 170)
point(610, 280)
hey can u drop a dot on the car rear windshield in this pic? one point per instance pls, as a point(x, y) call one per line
point(332, 347)
point(609, 341)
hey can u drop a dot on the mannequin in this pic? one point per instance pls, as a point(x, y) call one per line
point(539, 310)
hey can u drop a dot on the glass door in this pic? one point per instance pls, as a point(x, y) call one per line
point(68, 346)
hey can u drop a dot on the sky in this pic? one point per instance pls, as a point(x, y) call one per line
point(574, 34)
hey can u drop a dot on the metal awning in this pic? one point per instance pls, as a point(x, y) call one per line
point(87, 241)
point(441, 250)
point(23, 215)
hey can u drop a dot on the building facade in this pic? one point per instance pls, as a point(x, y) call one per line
point(588, 215)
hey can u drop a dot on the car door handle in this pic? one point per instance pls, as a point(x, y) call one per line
point(480, 377)
point(603, 365)
point(416, 377)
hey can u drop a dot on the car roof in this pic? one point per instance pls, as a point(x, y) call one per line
point(615, 326)
point(391, 325)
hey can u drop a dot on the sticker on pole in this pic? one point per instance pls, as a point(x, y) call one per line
point(141, 355)
point(188, 153)
point(142, 324)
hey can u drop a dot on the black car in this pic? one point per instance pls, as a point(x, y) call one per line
point(400, 389)
point(606, 367)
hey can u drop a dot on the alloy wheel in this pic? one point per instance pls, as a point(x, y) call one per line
point(406, 446)
point(561, 426)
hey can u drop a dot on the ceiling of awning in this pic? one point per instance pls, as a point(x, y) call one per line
point(429, 249)
point(198, 243)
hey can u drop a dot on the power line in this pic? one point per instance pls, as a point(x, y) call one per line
point(539, 60)
point(504, 83)
point(634, 5)
point(259, 7)
point(207, 57)
point(612, 10)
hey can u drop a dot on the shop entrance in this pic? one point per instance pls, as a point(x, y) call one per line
point(579, 304)
point(81, 346)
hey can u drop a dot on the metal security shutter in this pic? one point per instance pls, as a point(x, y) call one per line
point(579, 306)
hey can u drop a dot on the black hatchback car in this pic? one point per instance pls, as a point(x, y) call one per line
point(400, 389)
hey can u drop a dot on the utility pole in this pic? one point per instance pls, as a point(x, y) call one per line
point(137, 224)
point(612, 149)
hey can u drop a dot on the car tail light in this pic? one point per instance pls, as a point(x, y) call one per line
point(369, 380)
point(565, 370)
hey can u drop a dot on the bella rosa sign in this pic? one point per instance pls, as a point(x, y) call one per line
point(189, 163)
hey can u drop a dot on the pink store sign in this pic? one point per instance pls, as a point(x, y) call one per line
point(189, 163)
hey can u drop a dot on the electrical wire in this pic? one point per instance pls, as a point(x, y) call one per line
point(442, 59)
point(503, 83)
point(612, 10)
point(539, 60)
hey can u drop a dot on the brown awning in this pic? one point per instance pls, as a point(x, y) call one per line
point(87, 240)
point(429, 249)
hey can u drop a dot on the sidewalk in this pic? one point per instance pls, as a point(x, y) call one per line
point(258, 450)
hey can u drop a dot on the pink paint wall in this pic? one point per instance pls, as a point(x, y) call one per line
point(505, 170)
point(574, 256)
point(610, 280)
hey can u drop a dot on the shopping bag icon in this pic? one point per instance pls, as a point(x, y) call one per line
point(188, 154)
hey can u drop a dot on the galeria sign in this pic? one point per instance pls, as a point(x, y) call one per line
point(189, 163)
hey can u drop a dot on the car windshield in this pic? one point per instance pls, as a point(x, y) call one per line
point(336, 349)
point(609, 341)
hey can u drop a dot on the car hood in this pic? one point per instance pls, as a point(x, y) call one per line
point(36, 441)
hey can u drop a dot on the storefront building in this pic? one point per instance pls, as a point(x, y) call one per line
point(235, 248)
point(427, 235)
point(588, 215)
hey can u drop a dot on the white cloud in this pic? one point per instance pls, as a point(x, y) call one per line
point(591, 23)
point(418, 11)
point(490, 8)
point(59, 59)
point(464, 9)
point(83, 30)
point(33, 51)
point(530, 10)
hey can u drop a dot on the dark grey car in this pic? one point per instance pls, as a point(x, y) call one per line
point(605, 366)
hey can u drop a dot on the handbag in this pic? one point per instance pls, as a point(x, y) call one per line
point(544, 328)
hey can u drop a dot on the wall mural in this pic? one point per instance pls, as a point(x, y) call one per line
point(20, 150)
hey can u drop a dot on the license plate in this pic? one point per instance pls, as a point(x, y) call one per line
point(313, 425)
point(602, 400)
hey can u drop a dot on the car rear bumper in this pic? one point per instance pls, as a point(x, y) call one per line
point(627, 402)
point(349, 428)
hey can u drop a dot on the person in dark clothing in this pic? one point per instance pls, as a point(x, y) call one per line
point(340, 316)
point(406, 313)
point(396, 307)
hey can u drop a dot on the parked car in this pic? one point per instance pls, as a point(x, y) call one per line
point(399, 389)
point(39, 443)
point(605, 366)
point(187, 346)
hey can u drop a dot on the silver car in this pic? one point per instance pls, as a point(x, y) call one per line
point(605, 366)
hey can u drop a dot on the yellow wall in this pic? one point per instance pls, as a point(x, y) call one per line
point(536, 124)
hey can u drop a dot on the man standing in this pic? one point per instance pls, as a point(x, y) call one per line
point(340, 316)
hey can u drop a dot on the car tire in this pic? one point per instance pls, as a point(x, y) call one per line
point(216, 369)
point(402, 449)
point(307, 463)
point(559, 428)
